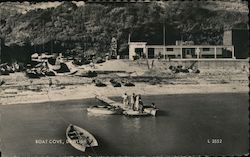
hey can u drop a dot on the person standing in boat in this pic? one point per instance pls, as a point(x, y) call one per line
point(125, 99)
point(89, 141)
point(72, 129)
point(153, 105)
point(132, 101)
point(140, 104)
point(136, 104)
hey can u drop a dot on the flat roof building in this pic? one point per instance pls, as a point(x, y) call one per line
point(142, 50)
point(235, 45)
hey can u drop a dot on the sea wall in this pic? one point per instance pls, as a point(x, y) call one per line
point(222, 64)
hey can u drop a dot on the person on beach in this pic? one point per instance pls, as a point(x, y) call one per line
point(92, 65)
point(125, 99)
point(50, 82)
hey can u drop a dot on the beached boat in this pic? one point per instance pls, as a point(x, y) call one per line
point(99, 83)
point(79, 138)
point(129, 84)
point(108, 110)
point(115, 83)
point(32, 74)
point(89, 74)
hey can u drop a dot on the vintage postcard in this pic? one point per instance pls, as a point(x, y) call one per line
point(124, 78)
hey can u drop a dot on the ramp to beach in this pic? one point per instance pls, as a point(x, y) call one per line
point(110, 102)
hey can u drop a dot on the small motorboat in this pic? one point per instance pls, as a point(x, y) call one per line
point(108, 110)
point(150, 110)
point(147, 111)
point(80, 138)
point(135, 113)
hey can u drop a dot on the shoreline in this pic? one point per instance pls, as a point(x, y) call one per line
point(74, 92)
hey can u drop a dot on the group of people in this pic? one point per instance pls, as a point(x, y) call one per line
point(135, 102)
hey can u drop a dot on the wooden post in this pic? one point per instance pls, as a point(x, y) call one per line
point(233, 52)
point(197, 52)
point(164, 42)
point(181, 53)
point(215, 52)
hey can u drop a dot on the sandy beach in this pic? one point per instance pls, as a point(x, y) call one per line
point(71, 92)
point(19, 89)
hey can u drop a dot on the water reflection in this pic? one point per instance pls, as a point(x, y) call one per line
point(103, 117)
point(131, 123)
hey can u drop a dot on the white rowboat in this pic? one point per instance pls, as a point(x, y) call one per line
point(108, 110)
point(80, 138)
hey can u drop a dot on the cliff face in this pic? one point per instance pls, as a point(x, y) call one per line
point(67, 25)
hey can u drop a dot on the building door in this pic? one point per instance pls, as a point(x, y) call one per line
point(139, 52)
point(151, 52)
point(226, 53)
point(188, 53)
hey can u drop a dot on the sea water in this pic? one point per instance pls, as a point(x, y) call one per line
point(186, 124)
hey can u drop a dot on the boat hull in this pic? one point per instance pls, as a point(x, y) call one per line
point(135, 113)
point(79, 141)
point(103, 110)
point(151, 111)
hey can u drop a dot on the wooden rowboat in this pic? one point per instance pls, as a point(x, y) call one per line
point(108, 110)
point(80, 138)
point(135, 113)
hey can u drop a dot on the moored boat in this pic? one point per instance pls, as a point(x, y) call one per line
point(108, 110)
point(110, 102)
point(80, 138)
point(135, 113)
point(147, 110)
point(150, 110)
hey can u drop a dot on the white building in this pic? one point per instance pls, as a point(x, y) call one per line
point(180, 51)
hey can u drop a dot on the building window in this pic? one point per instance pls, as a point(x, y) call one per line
point(206, 49)
point(170, 49)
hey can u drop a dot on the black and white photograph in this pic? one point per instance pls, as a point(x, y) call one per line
point(124, 78)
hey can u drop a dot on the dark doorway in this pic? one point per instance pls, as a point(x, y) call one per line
point(188, 53)
point(139, 52)
point(226, 53)
point(151, 53)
